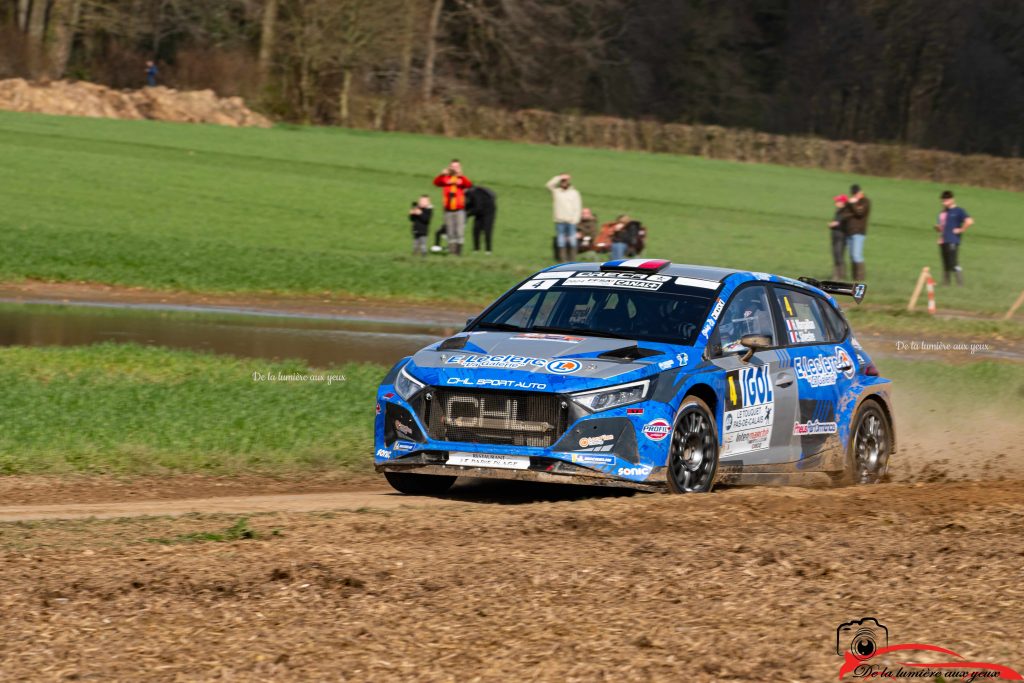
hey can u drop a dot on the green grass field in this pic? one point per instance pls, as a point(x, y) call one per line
point(126, 409)
point(313, 210)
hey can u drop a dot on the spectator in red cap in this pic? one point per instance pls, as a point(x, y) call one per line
point(839, 234)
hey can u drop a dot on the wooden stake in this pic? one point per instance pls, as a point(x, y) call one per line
point(921, 279)
point(1014, 307)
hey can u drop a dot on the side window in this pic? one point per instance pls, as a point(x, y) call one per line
point(747, 313)
point(801, 317)
point(837, 327)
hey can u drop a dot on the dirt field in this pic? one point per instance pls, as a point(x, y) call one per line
point(537, 583)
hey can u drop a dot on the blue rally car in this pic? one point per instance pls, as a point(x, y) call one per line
point(641, 373)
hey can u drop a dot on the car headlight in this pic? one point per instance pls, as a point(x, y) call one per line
point(611, 397)
point(406, 385)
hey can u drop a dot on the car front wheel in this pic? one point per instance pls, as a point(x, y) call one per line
point(693, 453)
point(419, 484)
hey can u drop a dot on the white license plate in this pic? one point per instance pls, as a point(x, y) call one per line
point(508, 462)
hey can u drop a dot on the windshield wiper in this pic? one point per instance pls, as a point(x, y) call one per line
point(505, 327)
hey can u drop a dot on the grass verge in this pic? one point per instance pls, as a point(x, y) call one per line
point(126, 409)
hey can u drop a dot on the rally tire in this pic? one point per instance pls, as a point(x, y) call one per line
point(867, 453)
point(693, 450)
point(419, 484)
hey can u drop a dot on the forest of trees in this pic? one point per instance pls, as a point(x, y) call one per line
point(945, 74)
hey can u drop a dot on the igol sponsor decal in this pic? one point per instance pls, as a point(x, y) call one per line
point(657, 430)
point(814, 427)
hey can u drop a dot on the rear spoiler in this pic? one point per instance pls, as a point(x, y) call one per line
point(854, 289)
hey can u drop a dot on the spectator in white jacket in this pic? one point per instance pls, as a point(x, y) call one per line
point(568, 207)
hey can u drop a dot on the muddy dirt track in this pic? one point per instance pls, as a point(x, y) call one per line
point(519, 583)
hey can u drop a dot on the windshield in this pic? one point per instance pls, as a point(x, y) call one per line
point(670, 314)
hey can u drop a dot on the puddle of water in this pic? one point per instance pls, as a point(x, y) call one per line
point(319, 342)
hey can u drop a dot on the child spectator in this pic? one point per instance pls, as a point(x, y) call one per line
point(420, 215)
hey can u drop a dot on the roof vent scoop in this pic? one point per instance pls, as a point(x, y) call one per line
point(628, 353)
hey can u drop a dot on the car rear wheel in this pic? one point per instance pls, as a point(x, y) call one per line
point(419, 484)
point(867, 455)
point(693, 453)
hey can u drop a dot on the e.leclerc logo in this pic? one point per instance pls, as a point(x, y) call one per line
point(563, 367)
point(656, 430)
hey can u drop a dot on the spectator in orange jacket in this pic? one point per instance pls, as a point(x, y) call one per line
point(453, 192)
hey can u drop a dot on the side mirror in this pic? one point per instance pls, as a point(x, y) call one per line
point(754, 343)
point(469, 321)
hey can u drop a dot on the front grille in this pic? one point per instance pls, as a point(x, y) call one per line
point(495, 417)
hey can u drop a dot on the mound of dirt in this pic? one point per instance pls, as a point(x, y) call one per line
point(79, 98)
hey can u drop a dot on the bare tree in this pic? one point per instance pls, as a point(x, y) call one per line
point(267, 37)
point(431, 39)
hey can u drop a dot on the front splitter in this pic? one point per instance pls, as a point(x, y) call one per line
point(520, 475)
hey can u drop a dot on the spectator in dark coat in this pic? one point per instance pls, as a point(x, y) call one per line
point(419, 216)
point(482, 205)
point(838, 230)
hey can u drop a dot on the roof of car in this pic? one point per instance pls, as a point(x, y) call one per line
point(673, 269)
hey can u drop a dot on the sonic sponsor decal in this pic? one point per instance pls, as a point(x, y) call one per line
point(750, 410)
point(558, 366)
point(503, 383)
point(635, 471)
point(814, 427)
point(823, 371)
point(657, 430)
point(383, 454)
point(709, 324)
point(589, 459)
